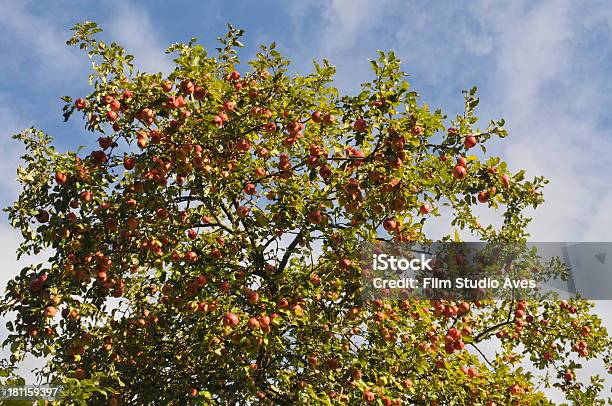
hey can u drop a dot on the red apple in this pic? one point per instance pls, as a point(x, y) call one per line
point(129, 162)
point(42, 216)
point(470, 141)
point(360, 125)
point(425, 209)
point(61, 178)
point(390, 224)
point(459, 172)
point(230, 320)
point(80, 104)
point(50, 312)
point(483, 197)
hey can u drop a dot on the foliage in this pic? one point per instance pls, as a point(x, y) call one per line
point(207, 250)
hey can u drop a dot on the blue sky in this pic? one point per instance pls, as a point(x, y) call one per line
point(544, 66)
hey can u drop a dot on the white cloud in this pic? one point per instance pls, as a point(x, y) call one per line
point(131, 26)
point(28, 36)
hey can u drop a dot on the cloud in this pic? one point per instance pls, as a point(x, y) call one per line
point(131, 26)
point(27, 36)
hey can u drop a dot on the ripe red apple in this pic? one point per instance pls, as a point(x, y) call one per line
point(315, 217)
point(230, 320)
point(329, 119)
point(505, 179)
point(105, 142)
point(99, 156)
point(360, 125)
point(86, 196)
point(250, 189)
point(216, 253)
point(317, 116)
point(243, 211)
point(425, 209)
point(235, 75)
point(470, 141)
point(569, 376)
point(129, 162)
point(50, 312)
point(459, 172)
point(229, 106)
point(61, 178)
point(80, 104)
point(166, 86)
point(462, 161)
point(369, 396)
point(345, 263)
point(199, 93)
point(187, 86)
point(80, 373)
point(253, 323)
point(193, 392)
point(218, 121)
point(191, 256)
point(42, 216)
point(390, 224)
point(115, 105)
point(112, 115)
point(483, 197)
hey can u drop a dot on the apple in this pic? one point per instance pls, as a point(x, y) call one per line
point(317, 116)
point(80, 374)
point(105, 142)
point(166, 86)
point(191, 256)
point(315, 217)
point(264, 320)
point(243, 145)
point(112, 115)
point(345, 263)
point(462, 161)
point(187, 86)
point(390, 224)
point(217, 121)
point(86, 196)
point(80, 103)
point(250, 189)
point(243, 211)
point(129, 162)
point(234, 75)
point(483, 197)
point(569, 376)
point(229, 106)
point(253, 323)
point(470, 142)
point(61, 178)
point(193, 392)
point(360, 125)
point(50, 312)
point(369, 396)
point(230, 320)
point(425, 209)
point(459, 172)
point(199, 93)
point(329, 119)
point(505, 180)
point(115, 105)
point(216, 253)
point(42, 216)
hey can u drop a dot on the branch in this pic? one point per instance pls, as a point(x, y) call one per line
point(289, 250)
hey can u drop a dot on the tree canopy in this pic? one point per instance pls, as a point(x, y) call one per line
point(205, 250)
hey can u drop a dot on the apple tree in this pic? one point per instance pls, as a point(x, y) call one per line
point(204, 247)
